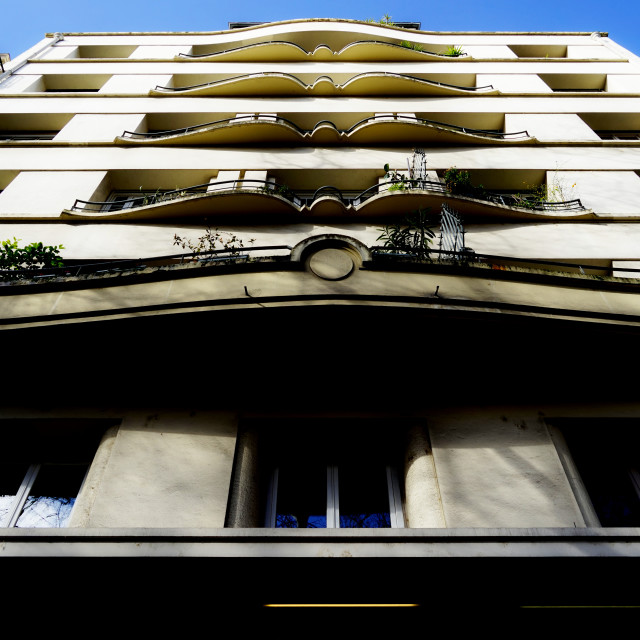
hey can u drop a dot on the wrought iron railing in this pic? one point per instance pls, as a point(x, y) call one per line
point(515, 201)
point(498, 135)
point(130, 267)
point(300, 199)
point(465, 257)
point(294, 44)
point(262, 186)
point(271, 74)
point(27, 136)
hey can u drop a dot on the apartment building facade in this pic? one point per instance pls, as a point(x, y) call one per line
point(319, 380)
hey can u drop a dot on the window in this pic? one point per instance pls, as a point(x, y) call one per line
point(27, 135)
point(604, 468)
point(539, 50)
point(333, 474)
point(119, 200)
point(43, 496)
point(619, 135)
point(45, 464)
point(581, 83)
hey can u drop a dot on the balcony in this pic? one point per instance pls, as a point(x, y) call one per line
point(363, 84)
point(27, 136)
point(269, 128)
point(359, 51)
point(257, 199)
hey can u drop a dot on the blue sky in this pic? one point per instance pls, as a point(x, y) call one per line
point(22, 25)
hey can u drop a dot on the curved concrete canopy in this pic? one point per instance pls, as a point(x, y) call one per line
point(272, 129)
point(364, 84)
point(256, 204)
point(360, 51)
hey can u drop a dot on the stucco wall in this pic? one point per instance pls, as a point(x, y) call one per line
point(550, 126)
point(513, 83)
point(606, 192)
point(166, 469)
point(100, 127)
point(500, 470)
point(46, 193)
point(168, 51)
point(124, 84)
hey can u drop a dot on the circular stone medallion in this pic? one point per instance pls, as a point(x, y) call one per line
point(331, 264)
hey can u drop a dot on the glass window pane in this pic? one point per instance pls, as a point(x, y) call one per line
point(302, 496)
point(11, 477)
point(364, 495)
point(604, 453)
point(52, 496)
point(613, 497)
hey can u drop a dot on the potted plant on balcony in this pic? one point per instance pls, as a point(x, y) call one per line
point(412, 238)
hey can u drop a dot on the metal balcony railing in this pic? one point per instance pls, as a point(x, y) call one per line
point(374, 74)
point(380, 254)
point(248, 186)
point(318, 46)
point(519, 202)
point(301, 199)
point(14, 137)
point(130, 267)
point(268, 119)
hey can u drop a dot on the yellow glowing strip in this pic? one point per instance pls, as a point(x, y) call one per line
point(341, 605)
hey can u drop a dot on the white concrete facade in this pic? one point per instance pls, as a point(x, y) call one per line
point(238, 130)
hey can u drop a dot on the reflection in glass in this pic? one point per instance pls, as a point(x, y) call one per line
point(302, 496)
point(364, 496)
point(11, 477)
point(605, 453)
point(52, 496)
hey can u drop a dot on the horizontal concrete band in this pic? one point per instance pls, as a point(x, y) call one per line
point(434, 303)
point(328, 543)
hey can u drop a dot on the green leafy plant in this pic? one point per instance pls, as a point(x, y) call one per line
point(393, 174)
point(277, 189)
point(412, 237)
point(400, 181)
point(15, 259)
point(530, 196)
point(454, 51)
point(458, 182)
point(212, 240)
point(411, 45)
point(555, 191)
point(385, 20)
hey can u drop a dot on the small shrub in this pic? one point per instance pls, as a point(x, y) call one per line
point(454, 51)
point(411, 45)
point(458, 182)
point(15, 259)
point(212, 240)
point(412, 237)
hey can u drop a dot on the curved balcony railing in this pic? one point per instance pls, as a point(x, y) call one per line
point(394, 83)
point(361, 50)
point(26, 137)
point(159, 197)
point(278, 121)
point(508, 200)
point(381, 255)
point(134, 135)
point(324, 201)
point(495, 135)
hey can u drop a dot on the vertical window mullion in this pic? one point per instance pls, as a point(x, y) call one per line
point(395, 500)
point(634, 476)
point(272, 497)
point(333, 505)
point(23, 493)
